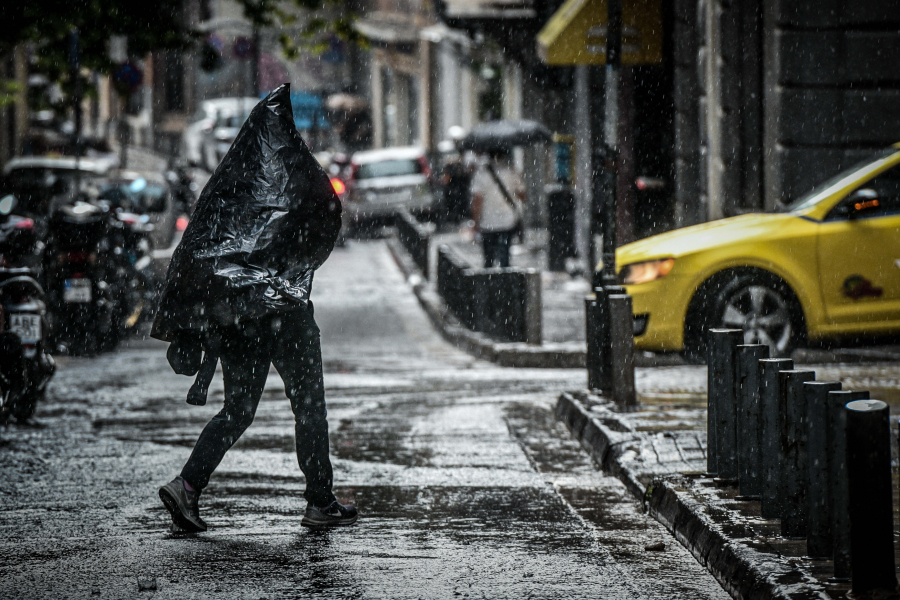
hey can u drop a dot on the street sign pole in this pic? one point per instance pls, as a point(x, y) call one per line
point(611, 137)
point(75, 65)
point(609, 370)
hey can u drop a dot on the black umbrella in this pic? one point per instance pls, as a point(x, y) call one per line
point(504, 134)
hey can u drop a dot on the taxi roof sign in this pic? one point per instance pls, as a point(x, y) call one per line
point(576, 33)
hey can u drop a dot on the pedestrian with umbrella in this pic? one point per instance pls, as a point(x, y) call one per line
point(238, 289)
point(497, 189)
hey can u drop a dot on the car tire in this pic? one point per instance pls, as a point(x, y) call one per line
point(757, 301)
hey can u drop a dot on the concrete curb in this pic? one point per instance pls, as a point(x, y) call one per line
point(745, 573)
point(545, 356)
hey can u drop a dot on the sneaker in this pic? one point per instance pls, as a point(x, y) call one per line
point(182, 505)
point(333, 515)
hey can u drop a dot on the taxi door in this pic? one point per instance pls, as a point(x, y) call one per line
point(859, 257)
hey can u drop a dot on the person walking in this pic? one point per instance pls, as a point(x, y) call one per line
point(238, 290)
point(498, 194)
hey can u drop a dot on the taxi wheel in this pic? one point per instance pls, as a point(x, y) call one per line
point(750, 299)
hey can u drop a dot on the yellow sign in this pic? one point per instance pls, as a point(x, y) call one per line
point(576, 34)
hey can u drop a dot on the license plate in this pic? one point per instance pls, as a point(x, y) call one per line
point(77, 290)
point(26, 326)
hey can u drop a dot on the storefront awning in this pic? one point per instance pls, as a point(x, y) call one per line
point(576, 33)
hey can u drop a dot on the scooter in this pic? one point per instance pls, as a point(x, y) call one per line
point(184, 188)
point(82, 280)
point(132, 251)
point(25, 364)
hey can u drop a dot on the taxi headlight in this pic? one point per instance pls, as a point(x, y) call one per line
point(646, 271)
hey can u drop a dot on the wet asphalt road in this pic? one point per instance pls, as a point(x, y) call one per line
point(467, 485)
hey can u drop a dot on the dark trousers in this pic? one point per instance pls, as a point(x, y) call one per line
point(290, 341)
point(495, 245)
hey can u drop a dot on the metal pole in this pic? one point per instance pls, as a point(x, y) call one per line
point(722, 415)
point(793, 453)
point(871, 496)
point(75, 63)
point(819, 541)
point(254, 53)
point(593, 332)
point(769, 393)
point(839, 484)
point(747, 359)
point(611, 127)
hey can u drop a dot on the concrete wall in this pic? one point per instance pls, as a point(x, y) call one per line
point(772, 97)
point(832, 89)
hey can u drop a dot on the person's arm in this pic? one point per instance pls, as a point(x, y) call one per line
point(476, 191)
point(477, 206)
point(519, 191)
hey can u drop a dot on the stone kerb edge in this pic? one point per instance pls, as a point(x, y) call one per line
point(743, 572)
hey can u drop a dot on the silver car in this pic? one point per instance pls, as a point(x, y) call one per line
point(384, 181)
point(203, 122)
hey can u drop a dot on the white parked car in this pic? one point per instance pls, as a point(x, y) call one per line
point(203, 122)
point(218, 140)
point(383, 181)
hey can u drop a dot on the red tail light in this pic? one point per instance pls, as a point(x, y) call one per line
point(181, 224)
point(76, 257)
point(338, 185)
point(25, 224)
point(423, 164)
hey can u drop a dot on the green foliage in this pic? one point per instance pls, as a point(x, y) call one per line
point(47, 27)
point(149, 26)
point(9, 91)
point(342, 15)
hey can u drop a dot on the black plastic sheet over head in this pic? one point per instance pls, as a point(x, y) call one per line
point(265, 221)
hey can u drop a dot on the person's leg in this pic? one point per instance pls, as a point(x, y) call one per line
point(245, 365)
point(489, 248)
point(297, 355)
point(501, 246)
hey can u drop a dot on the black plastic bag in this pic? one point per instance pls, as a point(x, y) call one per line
point(265, 221)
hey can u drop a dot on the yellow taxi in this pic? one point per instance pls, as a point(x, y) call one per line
point(828, 267)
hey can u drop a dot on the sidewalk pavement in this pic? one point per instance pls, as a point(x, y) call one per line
point(562, 294)
point(659, 452)
point(562, 312)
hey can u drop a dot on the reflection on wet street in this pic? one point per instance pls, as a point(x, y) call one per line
point(466, 483)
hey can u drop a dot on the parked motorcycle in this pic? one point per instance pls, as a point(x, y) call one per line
point(184, 188)
point(82, 279)
point(25, 364)
point(132, 255)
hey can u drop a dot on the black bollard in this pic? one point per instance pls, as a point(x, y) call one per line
point(871, 496)
point(792, 439)
point(769, 393)
point(819, 542)
point(621, 355)
point(722, 414)
point(840, 486)
point(746, 392)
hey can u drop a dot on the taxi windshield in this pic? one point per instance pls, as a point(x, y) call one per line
point(821, 191)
